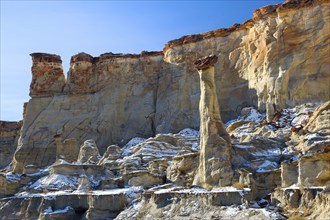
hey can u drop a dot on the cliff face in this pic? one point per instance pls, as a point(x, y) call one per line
point(9, 134)
point(272, 166)
point(109, 99)
point(278, 59)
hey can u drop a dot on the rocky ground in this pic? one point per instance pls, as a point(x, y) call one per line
point(281, 170)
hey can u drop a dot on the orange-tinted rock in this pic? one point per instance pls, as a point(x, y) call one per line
point(261, 13)
point(80, 76)
point(264, 11)
point(47, 75)
point(206, 62)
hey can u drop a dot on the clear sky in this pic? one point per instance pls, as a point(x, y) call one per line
point(95, 27)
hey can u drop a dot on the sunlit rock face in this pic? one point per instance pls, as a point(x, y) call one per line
point(280, 57)
point(109, 99)
point(9, 134)
point(215, 147)
point(277, 59)
point(47, 75)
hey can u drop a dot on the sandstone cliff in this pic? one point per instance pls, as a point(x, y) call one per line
point(278, 59)
point(9, 134)
point(73, 160)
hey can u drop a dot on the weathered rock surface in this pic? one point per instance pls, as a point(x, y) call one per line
point(89, 153)
point(269, 62)
point(104, 113)
point(215, 144)
point(178, 203)
point(91, 205)
point(276, 62)
point(67, 150)
point(183, 168)
point(9, 134)
point(47, 75)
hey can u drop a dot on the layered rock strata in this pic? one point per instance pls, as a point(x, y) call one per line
point(95, 103)
point(280, 159)
point(215, 144)
point(278, 59)
point(9, 134)
point(47, 75)
point(270, 62)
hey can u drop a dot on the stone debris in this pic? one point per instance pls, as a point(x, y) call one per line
point(267, 160)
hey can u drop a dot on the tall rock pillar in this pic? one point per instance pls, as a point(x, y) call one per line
point(47, 75)
point(215, 148)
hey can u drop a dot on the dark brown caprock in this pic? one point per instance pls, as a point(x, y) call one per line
point(205, 62)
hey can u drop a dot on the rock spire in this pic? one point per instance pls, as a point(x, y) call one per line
point(215, 148)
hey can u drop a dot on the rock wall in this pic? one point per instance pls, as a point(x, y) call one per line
point(277, 59)
point(215, 167)
point(110, 99)
point(9, 134)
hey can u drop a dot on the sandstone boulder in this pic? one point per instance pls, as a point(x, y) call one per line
point(68, 150)
point(183, 168)
point(89, 153)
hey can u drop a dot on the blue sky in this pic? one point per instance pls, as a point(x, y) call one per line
point(95, 27)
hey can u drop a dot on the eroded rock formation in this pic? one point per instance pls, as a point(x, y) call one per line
point(215, 147)
point(269, 62)
point(9, 134)
point(47, 75)
point(267, 67)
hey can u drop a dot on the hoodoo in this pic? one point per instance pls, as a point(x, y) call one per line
point(214, 163)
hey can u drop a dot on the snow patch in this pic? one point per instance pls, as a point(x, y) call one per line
point(269, 152)
point(134, 141)
point(254, 116)
point(50, 211)
point(243, 146)
point(56, 182)
point(267, 166)
point(313, 136)
point(188, 132)
point(232, 211)
point(128, 191)
point(13, 177)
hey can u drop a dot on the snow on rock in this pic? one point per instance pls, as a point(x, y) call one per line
point(272, 214)
point(55, 182)
point(231, 211)
point(248, 114)
point(127, 191)
point(188, 132)
point(313, 137)
point(13, 177)
point(241, 146)
point(267, 166)
point(163, 146)
point(196, 190)
point(133, 142)
point(49, 210)
point(268, 152)
point(254, 116)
